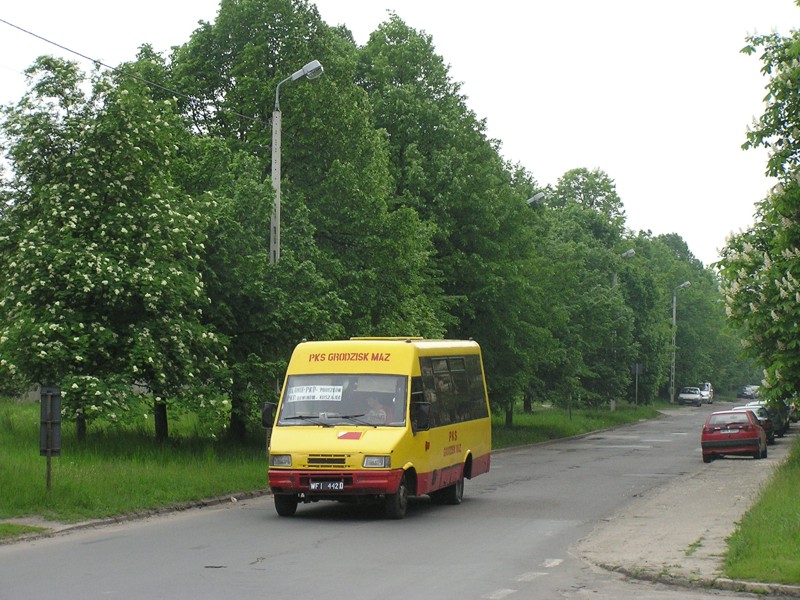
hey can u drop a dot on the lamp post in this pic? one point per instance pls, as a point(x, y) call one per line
point(311, 70)
point(536, 199)
point(627, 254)
point(674, 329)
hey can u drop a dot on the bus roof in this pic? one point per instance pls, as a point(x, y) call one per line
point(372, 355)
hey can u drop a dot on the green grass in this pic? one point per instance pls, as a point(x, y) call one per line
point(13, 530)
point(545, 424)
point(766, 545)
point(116, 471)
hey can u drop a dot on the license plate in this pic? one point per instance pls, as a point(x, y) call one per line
point(327, 486)
point(729, 431)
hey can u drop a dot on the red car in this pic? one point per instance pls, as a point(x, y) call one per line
point(733, 432)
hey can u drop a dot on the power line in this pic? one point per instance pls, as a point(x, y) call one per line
point(122, 72)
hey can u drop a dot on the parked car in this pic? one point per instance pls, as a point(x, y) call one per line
point(778, 413)
point(763, 419)
point(792, 410)
point(707, 391)
point(785, 408)
point(690, 395)
point(748, 392)
point(734, 432)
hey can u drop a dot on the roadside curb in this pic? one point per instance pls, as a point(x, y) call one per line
point(717, 583)
point(60, 528)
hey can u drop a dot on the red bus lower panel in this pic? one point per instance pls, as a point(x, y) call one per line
point(334, 483)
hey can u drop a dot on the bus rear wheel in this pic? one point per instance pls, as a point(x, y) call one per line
point(452, 494)
point(286, 504)
point(397, 503)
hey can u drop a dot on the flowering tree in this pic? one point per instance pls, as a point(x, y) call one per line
point(99, 250)
point(760, 268)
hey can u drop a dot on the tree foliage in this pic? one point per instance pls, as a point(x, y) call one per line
point(135, 231)
point(761, 266)
point(100, 249)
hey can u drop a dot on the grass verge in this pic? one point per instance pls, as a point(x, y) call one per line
point(766, 544)
point(546, 423)
point(116, 471)
point(15, 530)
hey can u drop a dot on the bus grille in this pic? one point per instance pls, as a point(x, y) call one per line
point(327, 460)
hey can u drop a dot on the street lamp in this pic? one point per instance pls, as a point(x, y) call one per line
point(311, 70)
point(537, 199)
point(674, 329)
point(627, 254)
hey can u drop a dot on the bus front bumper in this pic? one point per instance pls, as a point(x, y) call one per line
point(330, 484)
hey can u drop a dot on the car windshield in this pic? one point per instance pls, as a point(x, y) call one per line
point(688, 390)
point(732, 418)
point(328, 400)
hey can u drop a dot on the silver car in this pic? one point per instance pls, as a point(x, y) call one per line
point(690, 395)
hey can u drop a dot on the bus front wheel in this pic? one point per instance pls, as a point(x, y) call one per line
point(285, 504)
point(397, 503)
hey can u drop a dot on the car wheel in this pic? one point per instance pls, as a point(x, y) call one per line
point(707, 458)
point(764, 455)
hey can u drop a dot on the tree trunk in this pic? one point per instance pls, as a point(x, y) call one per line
point(80, 428)
point(510, 417)
point(527, 402)
point(162, 426)
point(237, 429)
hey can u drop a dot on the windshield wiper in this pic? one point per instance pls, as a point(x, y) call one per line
point(312, 419)
point(358, 420)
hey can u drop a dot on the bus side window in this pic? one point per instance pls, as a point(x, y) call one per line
point(420, 409)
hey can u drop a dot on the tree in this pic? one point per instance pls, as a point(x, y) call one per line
point(351, 264)
point(600, 325)
point(100, 250)
point(760, 267)
point(593, 190)
point(261, 317)
point(445, 168)
point(760, 274)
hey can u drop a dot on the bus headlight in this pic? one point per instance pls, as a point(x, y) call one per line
point(377, 462)
point(280, 460)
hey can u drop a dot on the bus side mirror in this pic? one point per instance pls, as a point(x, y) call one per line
point(268, 414)
point(420, 416)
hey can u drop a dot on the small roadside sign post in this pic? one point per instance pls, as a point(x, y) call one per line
point(50, 430)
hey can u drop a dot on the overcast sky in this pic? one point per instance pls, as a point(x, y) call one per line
point(657, 95)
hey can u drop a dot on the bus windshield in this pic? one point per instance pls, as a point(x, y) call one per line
point(337, 399)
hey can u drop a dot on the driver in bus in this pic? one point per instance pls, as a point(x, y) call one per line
point(376, 413)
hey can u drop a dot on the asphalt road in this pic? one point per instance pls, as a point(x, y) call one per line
point(539, 525)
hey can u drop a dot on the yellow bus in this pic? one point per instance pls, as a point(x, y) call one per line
point(379, 419)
